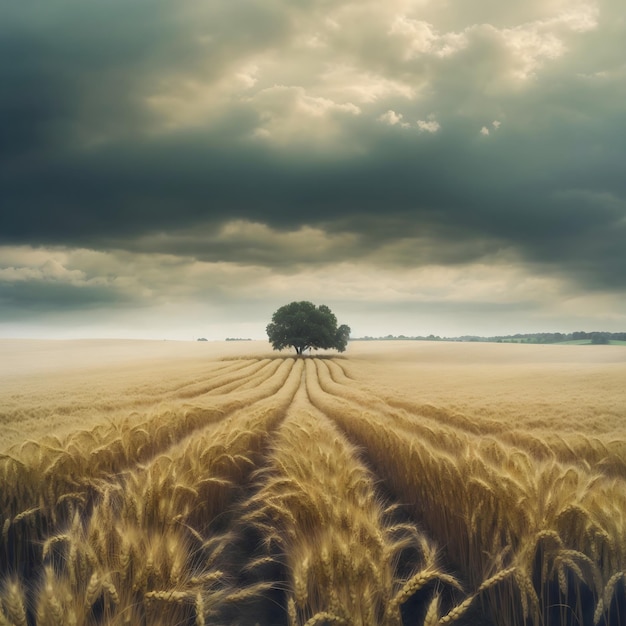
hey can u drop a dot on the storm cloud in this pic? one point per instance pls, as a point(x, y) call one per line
point(159, 151)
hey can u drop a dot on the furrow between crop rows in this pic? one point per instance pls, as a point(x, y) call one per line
point(553, 528)
point(38, 475)
point(112, 446)
point(287, 492)
point(319, 522)
point(601, 453)
point(224, 383)
point(144, 548)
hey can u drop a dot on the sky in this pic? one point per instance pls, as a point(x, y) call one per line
point(175, 170)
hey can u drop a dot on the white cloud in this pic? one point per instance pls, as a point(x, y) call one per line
point(421, 38)
point(428, 126)
point(304, 244)
point(342, 81)
point(77, 267)
point(22, 263)
point(290, 113)
point(392, 118)
point(348, 58)
point(534, 43)
point(248, 76)
point(484, 131)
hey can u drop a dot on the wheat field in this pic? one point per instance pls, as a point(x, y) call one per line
point(171, 483)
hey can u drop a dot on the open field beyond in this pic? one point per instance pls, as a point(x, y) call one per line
point(170, 483)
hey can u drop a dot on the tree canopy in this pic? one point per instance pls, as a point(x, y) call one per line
point(303, 325)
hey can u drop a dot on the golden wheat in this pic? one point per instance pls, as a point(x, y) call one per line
point(474, 501)
point(262, 489)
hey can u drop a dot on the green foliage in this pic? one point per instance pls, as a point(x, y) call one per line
point(303, 325)
point(599, 339)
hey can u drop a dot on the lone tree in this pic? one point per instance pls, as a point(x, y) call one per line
point(304, 325)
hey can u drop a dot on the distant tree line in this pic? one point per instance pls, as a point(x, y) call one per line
point(406, 338)
point(595, 337)
point(227, 339)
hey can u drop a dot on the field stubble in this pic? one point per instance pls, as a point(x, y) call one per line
point(396, 486)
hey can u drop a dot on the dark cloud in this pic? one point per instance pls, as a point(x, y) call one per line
point(551, 209)
point(149, 126)
point(33, 298)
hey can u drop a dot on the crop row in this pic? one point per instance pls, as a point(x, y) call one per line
point(286, 492)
